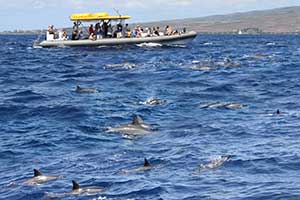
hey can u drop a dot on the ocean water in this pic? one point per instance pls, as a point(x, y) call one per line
point(45, 124)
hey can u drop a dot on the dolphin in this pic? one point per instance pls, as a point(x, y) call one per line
point(223, 105)
point(155, 101)
point(211, 105)
point(85, 90)
point(136, 128)
point(202, 68)
point(215, 163)
point(233, 105)
point(147, 166)
point(40, 179)
point(228, 63)
point(259, 56)
point(77, 189)
point(279, 113)
point(125, 65)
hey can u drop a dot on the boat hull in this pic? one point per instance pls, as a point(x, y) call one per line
point(174, 39)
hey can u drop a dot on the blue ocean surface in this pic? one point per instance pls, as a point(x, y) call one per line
point(47, 125)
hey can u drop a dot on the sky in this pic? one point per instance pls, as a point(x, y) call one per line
point(38, 14)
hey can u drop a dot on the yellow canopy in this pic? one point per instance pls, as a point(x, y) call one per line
point(96, 17)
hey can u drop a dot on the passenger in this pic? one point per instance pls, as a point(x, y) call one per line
point(65, 35)
point(91, 29)
point(60, 34)
point(109, 31)
point(133, 33)
point(148, 32)
point(184, 30)
point(128, 34)
point(126, 31)
point(75, 35)
point(98, 31)
point(118, 31)
point(119, 34)
point(175, 32)
point(105, 29)
point(115, 33)
point(50, 33)
point(75, 27)
point(139, 32)
point(159, 32)
point(153, 32)
point(92, 36)
point(168, 30)
point(119, 27)
point(80, 36)
point(142, 33)
point(156, 31)
point(97, 27)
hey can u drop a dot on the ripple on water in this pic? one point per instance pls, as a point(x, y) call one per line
point(44, 124)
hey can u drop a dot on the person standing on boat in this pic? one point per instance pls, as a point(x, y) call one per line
point(119, 31)
point(109, 31)
point(75, 26)
point(126, 31)
point(98, 31)
point(105, 29)
point(91, 29)
point(50, 33)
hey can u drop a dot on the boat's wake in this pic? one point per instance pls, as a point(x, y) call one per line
point(149, 44)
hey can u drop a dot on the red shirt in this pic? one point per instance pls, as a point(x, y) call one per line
point(91, 30)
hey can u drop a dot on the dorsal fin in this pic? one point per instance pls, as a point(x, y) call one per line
point(137, 120)
point(76, 186)
point(278, 112)
point(37, 173)
point(146, 163)
point(78, 87)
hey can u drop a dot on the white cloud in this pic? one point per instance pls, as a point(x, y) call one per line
point(88, 4)
point(25, 12)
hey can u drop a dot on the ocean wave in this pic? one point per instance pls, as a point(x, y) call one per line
point(45, 124)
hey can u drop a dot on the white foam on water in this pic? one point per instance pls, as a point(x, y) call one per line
point(150, 44)
point(208, 43)
point(271, 44)
point(125, 65)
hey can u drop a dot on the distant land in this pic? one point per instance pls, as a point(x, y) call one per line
point(280, 20)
